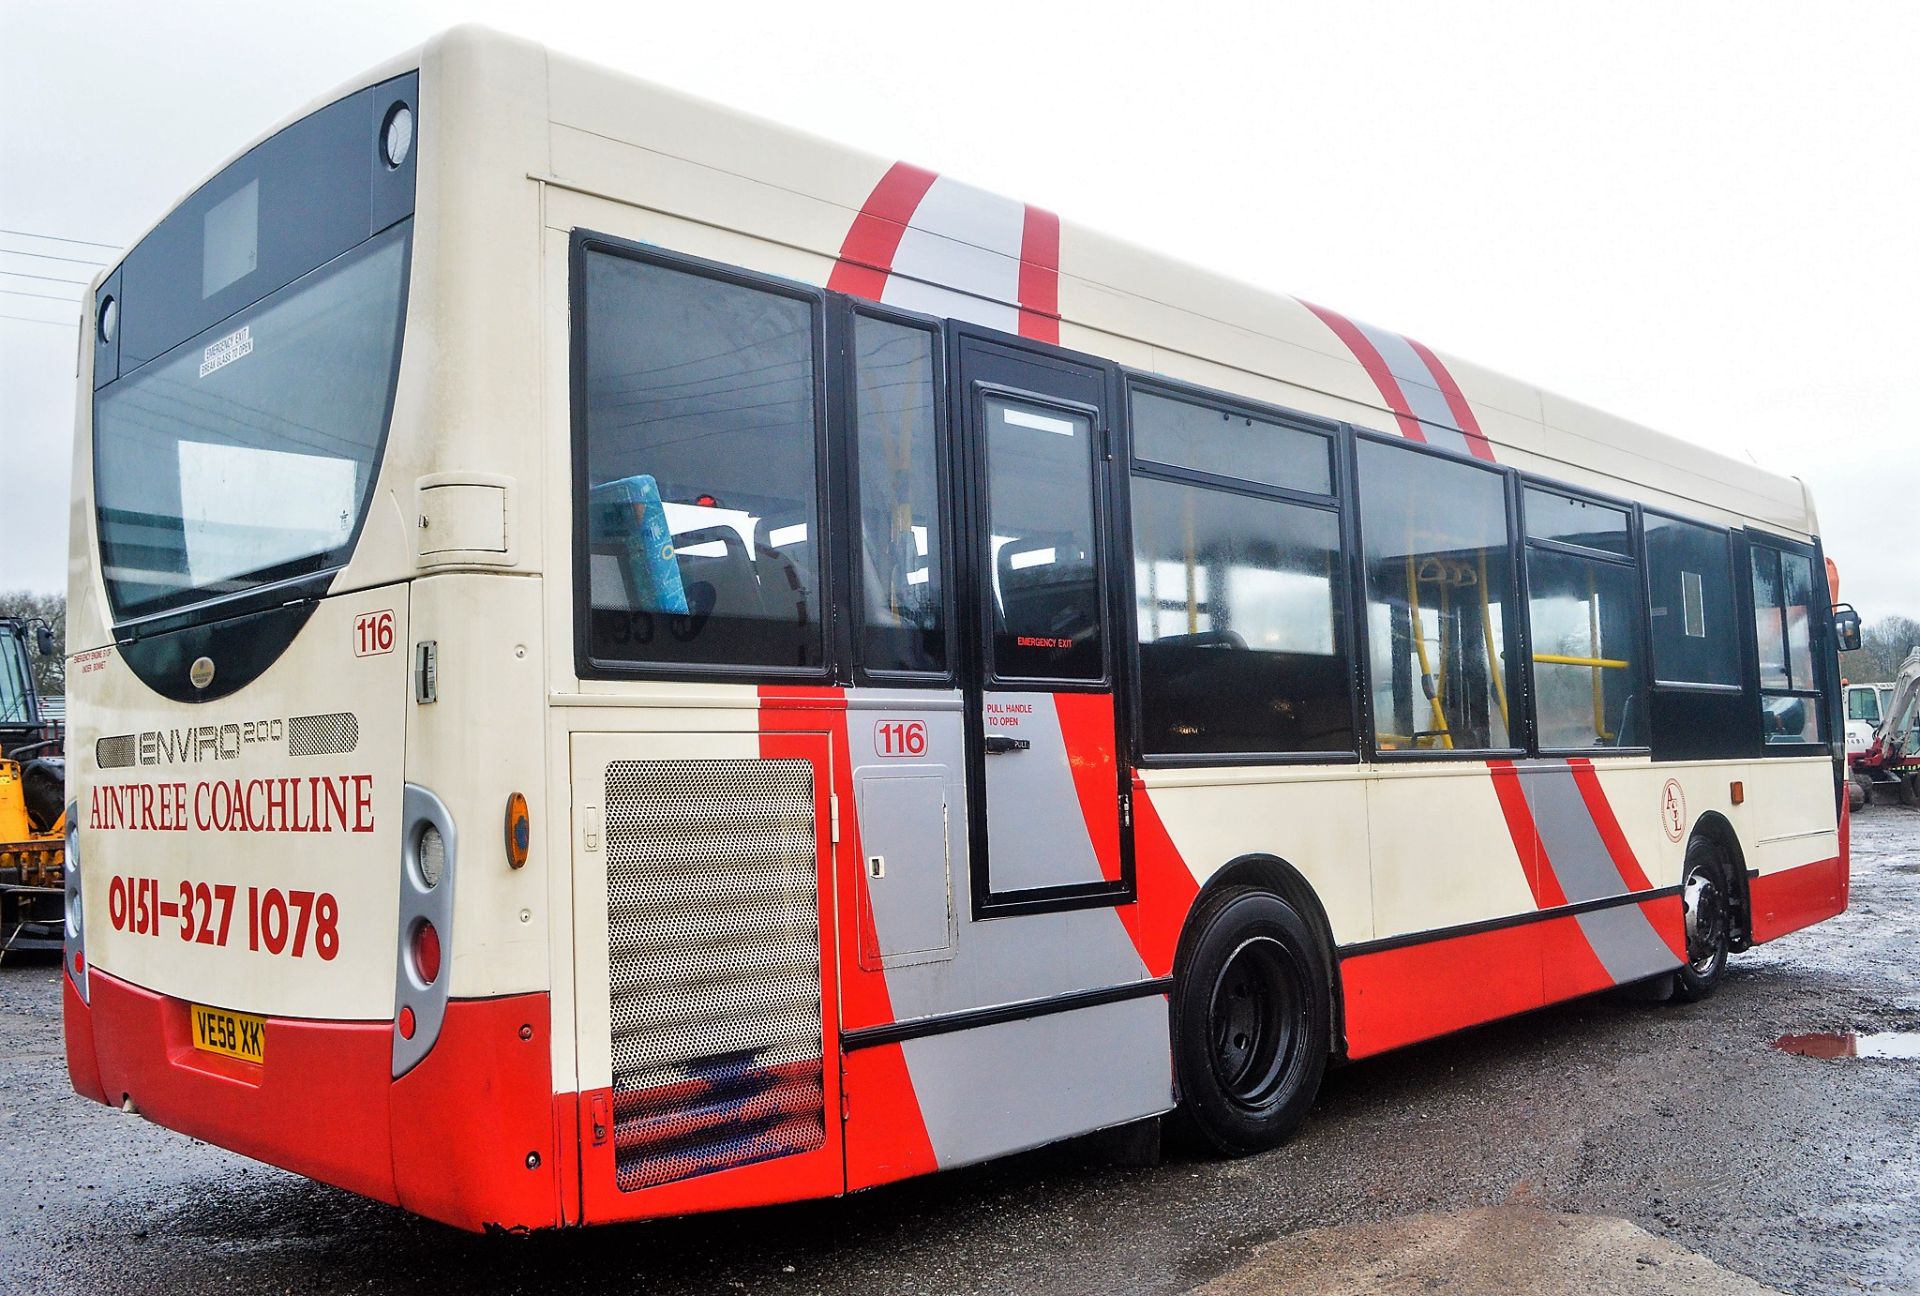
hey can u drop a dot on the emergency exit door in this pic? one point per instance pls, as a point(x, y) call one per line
point(1048, 801)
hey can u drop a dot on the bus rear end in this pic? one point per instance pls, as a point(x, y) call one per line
point(266, 843)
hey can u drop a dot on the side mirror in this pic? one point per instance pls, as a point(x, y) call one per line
point(43, 640)
point(1846, 627)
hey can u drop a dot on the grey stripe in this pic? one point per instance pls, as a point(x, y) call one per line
point(1416, 381)
point(1623, 938)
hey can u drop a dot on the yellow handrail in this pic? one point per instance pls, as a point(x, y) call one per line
point(1555, 659)
point(1435, 700)
point(1494, 665)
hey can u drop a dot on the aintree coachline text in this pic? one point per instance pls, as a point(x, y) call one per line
point(330, 803)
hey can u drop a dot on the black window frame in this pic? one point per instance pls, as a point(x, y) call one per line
point(843, 319)
point(1744, 663)
point(1131, 465)
point(1824, 687)
point(581, 244)
point(1514, 631)
point(1634, 559)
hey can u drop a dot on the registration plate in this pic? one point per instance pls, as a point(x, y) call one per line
point(236, 1034)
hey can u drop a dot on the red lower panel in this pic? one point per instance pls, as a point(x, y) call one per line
point(473, 1136)
point(450, 1140)
point(886, 1136)
point(1415, 992)
point(1798, 897)
point(83, 1067)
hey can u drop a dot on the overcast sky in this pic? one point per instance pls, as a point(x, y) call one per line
point(1703, 217)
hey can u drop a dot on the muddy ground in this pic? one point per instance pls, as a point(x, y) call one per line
point(1801, 1174)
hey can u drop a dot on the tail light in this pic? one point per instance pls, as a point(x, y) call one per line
point(429, 868)
point(426, 951)
point(76, 924)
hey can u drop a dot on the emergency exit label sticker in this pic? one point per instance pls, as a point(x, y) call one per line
point(219, 355)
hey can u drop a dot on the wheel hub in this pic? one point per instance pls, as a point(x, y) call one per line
point(1706, 920)
point(1254, 1021)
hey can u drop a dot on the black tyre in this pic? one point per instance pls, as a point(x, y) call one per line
point(1907, 788)
point(1252, 1021)
point(44, 786)
point(1706, 899)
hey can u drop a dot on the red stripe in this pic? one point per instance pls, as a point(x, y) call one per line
point(1588, 780)
point(1165, 885)
point(1087, 731)
point(1526, 836)
point(1456, 402)
point(866, 257)
point(1040, 276)
point(1376, 366)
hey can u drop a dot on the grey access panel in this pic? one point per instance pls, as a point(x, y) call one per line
point(907, 858)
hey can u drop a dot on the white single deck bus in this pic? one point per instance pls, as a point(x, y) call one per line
point(631, 661)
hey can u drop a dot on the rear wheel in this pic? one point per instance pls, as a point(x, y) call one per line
point(1907, 787)
point(1706, 901)
point(1252, 1020)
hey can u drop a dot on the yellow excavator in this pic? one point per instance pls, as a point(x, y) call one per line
point(33, 820)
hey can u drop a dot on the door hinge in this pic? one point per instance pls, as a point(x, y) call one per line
point(833, 817)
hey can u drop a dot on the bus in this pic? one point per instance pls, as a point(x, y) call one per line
point(627, 660)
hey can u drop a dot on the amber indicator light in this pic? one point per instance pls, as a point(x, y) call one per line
point(519, 831)
point(1737, 791)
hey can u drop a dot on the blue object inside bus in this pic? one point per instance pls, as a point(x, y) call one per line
point(628, 516)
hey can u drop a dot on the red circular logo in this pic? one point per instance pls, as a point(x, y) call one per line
point(1673, 810)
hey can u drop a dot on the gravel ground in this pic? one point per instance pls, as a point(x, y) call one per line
point(1798, 1173)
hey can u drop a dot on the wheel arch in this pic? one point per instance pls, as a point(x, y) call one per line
point(1272, 874)
point(1714, 827)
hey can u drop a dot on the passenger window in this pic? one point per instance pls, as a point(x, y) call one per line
point(1583, 610)
point(1439, 583)
point(1045, 580)
point(1197, 437)
point(902, 616)
point(702, 490)
point(1690, 575)
point(1238, 609)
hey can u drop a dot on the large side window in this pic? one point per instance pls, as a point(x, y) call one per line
point(1583, 612)
point(903, 625)
point(1690, 576)
point(702, 491)
point(1783, 613)
point(1238, 594)
point(1439, 587)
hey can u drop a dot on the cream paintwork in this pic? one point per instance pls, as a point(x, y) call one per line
point(518, 148)
point(318, 675)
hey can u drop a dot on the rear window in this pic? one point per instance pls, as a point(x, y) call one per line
point(245, 455)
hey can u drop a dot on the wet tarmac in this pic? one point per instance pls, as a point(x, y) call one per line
point(1681, 1123)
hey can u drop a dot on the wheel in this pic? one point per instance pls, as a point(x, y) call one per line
point(1907, 787)
point(1252, 1021)
point(1705, 896)
point(1858, 794)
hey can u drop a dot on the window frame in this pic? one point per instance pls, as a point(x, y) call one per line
point(1819, 644)
point(1743, 662)
point(844, 318)
point(582, 243)
point(1634, 560)
point(1130, 465)
point(1514, 630)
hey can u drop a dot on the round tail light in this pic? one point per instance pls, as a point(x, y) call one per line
point(426, 952)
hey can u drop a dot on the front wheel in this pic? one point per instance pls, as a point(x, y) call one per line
point(1706, 901)
point(1252, 1021)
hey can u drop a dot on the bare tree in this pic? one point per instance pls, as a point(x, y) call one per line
point(1883, 646)
point(49, 672)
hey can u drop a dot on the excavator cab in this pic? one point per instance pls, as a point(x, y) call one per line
point(33, 779)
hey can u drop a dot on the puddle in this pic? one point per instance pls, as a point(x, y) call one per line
point(1846, 1044)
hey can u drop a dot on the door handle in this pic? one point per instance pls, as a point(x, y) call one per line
point(997, 743)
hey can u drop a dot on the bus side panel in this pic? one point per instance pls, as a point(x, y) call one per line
point(1798, 897)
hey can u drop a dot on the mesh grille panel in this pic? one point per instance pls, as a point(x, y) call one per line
point(714, 949)
point(113, 753)
point(323, 735)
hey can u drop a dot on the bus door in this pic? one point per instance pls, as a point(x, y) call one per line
point(1047, 802)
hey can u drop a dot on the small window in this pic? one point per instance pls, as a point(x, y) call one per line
point(1863, 704)
point(1439, 584)
point(903, 624)
point(1238, 613)
point(1690, 575)
point(1182, 434)
point(702, 504)
point(1045, 578)
point(1553, 516)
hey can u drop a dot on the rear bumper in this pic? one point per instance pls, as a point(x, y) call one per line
point(467, 1137)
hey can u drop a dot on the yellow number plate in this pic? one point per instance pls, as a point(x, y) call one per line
point(236, 1034)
